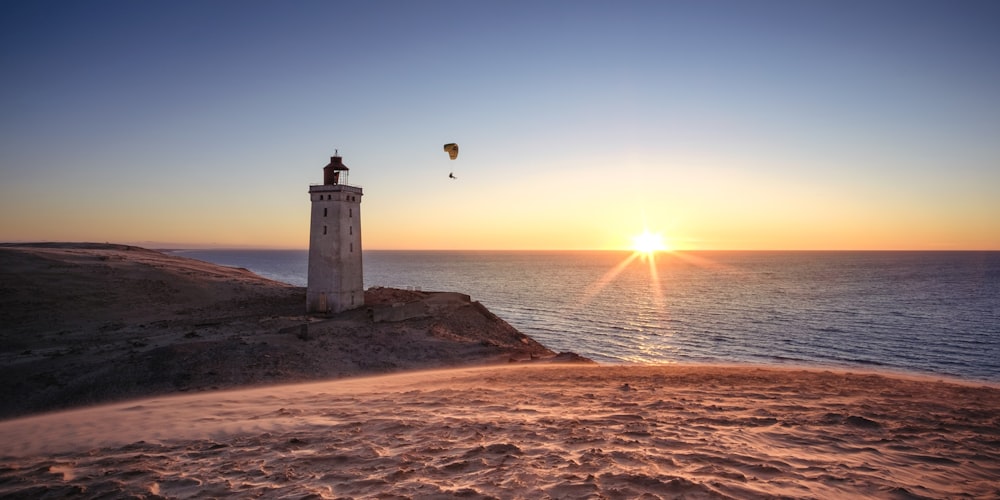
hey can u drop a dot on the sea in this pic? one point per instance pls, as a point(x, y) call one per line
point(932, 313)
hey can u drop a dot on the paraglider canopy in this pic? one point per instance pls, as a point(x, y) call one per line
point(452, 150)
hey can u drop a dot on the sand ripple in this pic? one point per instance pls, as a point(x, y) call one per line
point(528, 432)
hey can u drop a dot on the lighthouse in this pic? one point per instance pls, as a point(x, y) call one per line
point(335, 281)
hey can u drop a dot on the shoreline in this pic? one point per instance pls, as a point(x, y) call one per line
point(836, 327)
point(844, 369)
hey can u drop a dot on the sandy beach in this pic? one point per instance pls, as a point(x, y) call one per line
point(542, 431)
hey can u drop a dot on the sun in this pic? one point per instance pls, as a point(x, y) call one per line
point(648, 243)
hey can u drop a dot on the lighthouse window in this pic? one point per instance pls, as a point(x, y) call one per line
point(324, 229)
point(350, 230)
point(324, 212)
point(352, 247)
point(350, 212)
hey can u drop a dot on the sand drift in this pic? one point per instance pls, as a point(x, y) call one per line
point(529, 431)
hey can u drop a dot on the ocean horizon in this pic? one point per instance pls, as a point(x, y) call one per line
point(921, 312)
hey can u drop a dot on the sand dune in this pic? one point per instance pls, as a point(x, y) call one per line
point(535, 431)
point(90, 323)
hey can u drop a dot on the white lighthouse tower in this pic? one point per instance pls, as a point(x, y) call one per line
point(335, 281)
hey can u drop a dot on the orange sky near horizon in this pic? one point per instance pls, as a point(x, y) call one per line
point(701, 208)
point(706, 213)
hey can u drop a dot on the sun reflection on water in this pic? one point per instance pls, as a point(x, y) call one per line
point(650, 328)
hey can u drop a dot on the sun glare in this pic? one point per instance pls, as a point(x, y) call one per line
point(648, 243)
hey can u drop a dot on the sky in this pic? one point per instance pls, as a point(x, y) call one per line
point(728, 125)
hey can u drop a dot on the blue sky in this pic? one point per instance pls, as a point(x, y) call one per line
point(719, 124)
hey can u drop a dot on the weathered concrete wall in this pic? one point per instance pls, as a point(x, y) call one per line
point(436, 304)
point(399, 312)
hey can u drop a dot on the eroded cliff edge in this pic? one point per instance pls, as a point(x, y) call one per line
point(85, 323)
